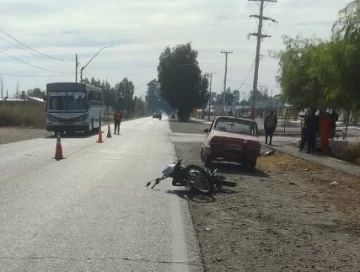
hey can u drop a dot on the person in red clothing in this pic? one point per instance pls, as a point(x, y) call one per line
point(325, 131)
point(117, 121)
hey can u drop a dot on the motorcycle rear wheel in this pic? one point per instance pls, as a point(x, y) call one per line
point(205, 186)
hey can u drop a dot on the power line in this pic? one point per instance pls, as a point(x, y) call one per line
point(29, 46)
point(12, 75)
point(243, 83)
point(27, 51)
point(259, 37)
point(38, 67)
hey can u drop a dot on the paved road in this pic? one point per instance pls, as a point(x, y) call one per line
point(91, 211)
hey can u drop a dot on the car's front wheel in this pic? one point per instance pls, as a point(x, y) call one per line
point(251, 165)
point(202, 157)
point(207, 161)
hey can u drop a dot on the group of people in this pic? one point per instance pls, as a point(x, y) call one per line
point(322, 125)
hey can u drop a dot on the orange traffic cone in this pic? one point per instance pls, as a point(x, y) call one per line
point(58, 152)
point(100, 140)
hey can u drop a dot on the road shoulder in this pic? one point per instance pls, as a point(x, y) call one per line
point(327, 161)
point(290, 215)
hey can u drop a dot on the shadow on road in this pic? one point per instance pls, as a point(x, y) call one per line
point(237, 169)
point(75, 135)
point(192, 195)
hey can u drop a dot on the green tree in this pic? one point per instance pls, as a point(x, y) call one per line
point(139, 107)
point(236, 97)
point(124, 95)
point(347, 25)
point(179, 76)
point(345, 53)
point(302, 78)
point(152, 96)
point(154, 102)
point(35, 93)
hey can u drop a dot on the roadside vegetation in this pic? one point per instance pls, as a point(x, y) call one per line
point(316, 73)
point(22, 115)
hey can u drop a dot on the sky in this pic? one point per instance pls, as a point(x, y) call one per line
point(139, 30)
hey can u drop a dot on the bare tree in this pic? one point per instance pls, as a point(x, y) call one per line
point(17, 93)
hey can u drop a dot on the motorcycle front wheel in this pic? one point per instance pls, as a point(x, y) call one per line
point(199, 179)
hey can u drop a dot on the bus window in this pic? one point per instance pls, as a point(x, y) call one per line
point(76, 101)
point(56, 103)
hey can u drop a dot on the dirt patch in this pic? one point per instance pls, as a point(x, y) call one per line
point(285, 217)
point(14, 134)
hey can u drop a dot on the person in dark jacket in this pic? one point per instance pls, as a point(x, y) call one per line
point(303, 141)
point(312, 127)
point(117, 121)
point(270, 124)
point(334, 118)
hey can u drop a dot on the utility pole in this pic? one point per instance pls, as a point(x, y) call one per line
point(226, 59)
point(210, 74)
point(201, 87)
point(76, 67)
point(260, 37)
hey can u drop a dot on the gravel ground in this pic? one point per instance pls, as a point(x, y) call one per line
point(16, 134)
point(285, 217)
point(189, 127)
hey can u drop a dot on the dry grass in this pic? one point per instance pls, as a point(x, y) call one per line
point(22, 115)
point(345, 197)
point(351, 152)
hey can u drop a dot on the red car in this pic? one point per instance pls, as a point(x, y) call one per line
point(232, 139)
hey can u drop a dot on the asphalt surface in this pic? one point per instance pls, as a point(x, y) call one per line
point(91, 211)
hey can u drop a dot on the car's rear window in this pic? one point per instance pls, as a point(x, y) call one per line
point(236, 126)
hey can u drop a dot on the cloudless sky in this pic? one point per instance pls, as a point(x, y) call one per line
point(141, 29)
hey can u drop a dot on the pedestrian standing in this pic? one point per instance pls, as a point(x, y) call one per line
point(334, 117)
point(311, 130)
point(303, 141)
point(270, 124)
point(117, 121)
point(325, 131)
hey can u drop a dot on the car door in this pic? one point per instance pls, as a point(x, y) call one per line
point(209, 134)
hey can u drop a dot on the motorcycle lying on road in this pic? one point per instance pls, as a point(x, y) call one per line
point(193, 177)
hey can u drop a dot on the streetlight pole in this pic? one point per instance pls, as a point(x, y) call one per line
point(226, 61)
point(137, 87)
point(82, 69)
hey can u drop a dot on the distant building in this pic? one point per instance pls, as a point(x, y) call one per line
point(27, 100)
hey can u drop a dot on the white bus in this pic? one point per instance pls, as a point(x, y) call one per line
point(73, 107)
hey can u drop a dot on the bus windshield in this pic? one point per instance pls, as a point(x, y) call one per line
point(67, 101)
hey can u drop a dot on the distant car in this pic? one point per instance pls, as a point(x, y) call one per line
point(157, 115)
point(232, 139)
